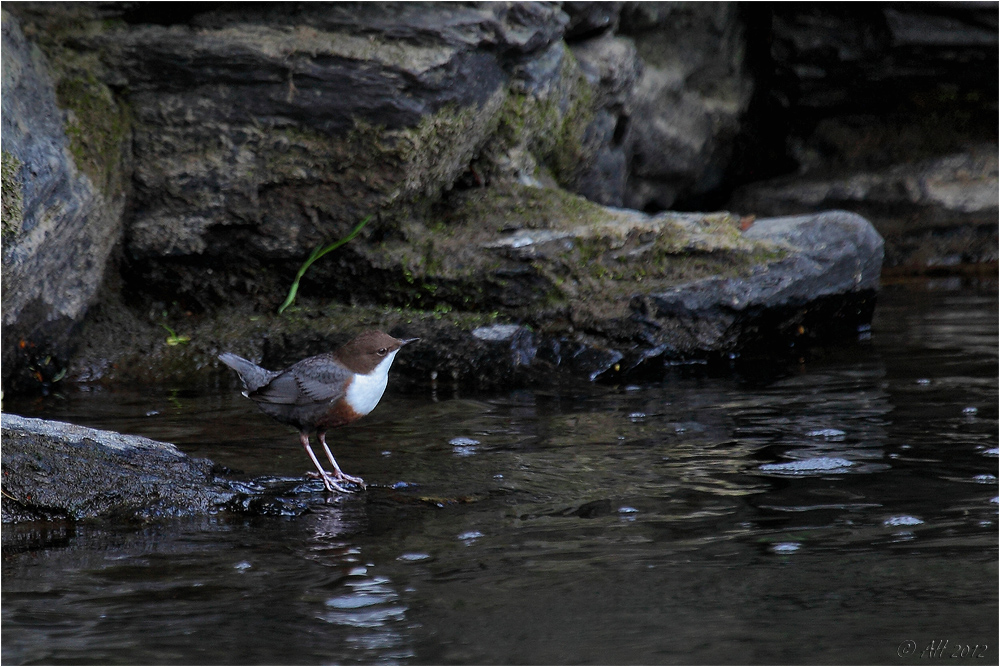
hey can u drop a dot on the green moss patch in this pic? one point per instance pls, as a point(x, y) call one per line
point(537, 253)
point(97, 127)
point(13, 197)
point(549, 125)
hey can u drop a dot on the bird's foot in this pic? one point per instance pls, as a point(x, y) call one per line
point(330, 481)
point(343, 476)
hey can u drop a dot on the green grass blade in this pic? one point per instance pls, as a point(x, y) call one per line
point(315, 255)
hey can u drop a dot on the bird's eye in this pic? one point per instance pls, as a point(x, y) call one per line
point(382, 351)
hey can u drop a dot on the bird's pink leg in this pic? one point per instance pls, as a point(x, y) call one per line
point(340, 474)
point(328, 479)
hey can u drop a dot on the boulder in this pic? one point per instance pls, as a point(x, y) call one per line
point(64, 194)
point(262, 132)
point(827, 280)
point(55, 470)
point(612, 67)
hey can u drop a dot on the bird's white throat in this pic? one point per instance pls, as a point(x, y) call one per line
point(365, 391)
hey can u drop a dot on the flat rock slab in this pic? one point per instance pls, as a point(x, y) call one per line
point(55, 470)
point(832, 253)
point(826, 282)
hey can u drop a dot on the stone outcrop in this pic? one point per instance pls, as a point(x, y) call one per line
point(53, 470)
point(222, 143)
point(260, 134)
point(890, 111)
point(502, 297)
point(64, 196)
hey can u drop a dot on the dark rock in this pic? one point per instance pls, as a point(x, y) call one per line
point(835, 255)
point(58, 470)
point(263, 131)
point(57, 240)
point(54, 471)
point(589, 18)
point(604, 179)
point(693, 90)
point(943, 25)
point(612, 68)
point(840, 58)
point(867, 90)
point(589, 510)
point(888, 110)
point(290, 127)
point(594, 362)
point(579, 290)
point(547, 134)
point(932, 213)
point(518, 339)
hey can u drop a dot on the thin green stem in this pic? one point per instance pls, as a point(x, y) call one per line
point(315, 255)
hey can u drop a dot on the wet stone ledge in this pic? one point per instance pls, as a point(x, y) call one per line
point(813, 279)
point(55, 471)
point(56, 474)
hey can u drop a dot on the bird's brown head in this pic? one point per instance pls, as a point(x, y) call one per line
point(369, 349)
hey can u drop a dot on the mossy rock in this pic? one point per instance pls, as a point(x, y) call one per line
point(13, 198)
point(538, 253)
point(98, 129)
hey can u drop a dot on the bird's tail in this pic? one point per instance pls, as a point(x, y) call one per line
point(254, 377)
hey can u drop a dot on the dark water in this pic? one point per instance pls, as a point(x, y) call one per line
point(827, 514)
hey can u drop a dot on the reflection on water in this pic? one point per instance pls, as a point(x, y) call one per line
point(824, 515)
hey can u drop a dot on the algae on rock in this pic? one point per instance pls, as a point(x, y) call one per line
point(98, 129)
point(72, 197)
point(13, 198)
point(541, 127)
point(541, 253)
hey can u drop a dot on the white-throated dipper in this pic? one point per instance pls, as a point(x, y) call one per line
point(323, 392)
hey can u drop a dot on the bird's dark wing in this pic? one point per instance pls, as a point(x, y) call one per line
point(313, 380)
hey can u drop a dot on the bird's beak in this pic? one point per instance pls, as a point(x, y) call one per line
point(407, 341)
